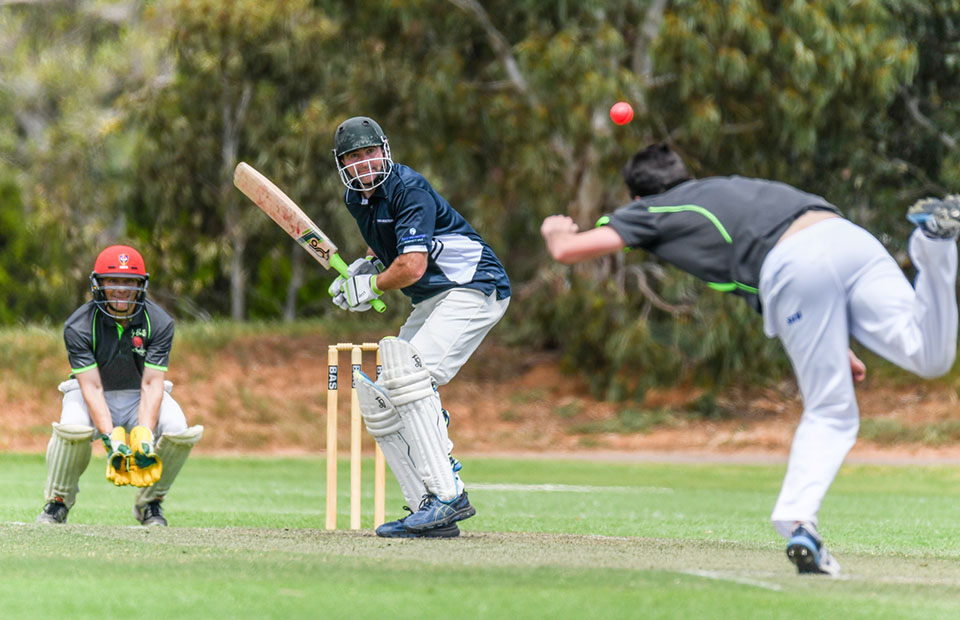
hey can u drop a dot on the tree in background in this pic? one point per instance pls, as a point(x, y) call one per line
point(65, 67)
point(126, 119)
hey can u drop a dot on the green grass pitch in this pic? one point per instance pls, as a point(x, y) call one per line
point(551, 539)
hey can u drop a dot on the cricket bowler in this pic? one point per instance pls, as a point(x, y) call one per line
point(817, 279)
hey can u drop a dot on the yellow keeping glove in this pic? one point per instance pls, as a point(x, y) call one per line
point(145, 467)
point(118, 456)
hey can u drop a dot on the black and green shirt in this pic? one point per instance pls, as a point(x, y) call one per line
point(94, 340)
point(718, 229)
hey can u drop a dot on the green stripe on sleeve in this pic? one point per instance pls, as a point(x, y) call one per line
point(77, 371)
point(729, 287)
point(155, 367)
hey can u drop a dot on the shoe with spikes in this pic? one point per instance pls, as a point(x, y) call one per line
point(54, 512)
point(150, 514)
point(938, 219)
point(805, 549)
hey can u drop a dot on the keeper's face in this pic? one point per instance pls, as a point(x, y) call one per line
point(364, 165)
point(120, 294)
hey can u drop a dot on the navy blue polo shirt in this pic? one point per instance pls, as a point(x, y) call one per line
point(405, 214)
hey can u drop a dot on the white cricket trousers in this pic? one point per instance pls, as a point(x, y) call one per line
point(818, 287)
point(447, 328)
point(123, 405)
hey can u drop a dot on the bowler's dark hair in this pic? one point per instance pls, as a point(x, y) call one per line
point(654, 170)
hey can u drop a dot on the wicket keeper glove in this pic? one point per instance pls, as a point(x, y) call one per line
point(118, 456)
point(146, 468)
point(360, 291)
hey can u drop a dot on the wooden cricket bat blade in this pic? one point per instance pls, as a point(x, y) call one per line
point(290, 217)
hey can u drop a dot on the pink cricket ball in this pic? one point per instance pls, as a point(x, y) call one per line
point(621, 113)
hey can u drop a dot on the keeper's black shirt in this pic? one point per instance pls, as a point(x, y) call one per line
point(94, 340)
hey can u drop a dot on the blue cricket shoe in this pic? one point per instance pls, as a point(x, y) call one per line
point(805, 549)
point(434, 513)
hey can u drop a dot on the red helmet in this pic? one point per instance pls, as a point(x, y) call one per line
point(119, 261)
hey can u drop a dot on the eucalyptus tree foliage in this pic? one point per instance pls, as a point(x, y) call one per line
point(918, 142)
point(492, 103)
point(249, 84)
point(785, 90)
point(65, 68)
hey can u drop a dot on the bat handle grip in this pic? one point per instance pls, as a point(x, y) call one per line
point(341, 267)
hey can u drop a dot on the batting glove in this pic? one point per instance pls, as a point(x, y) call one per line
point(118, 456)
point(336, 292)
point(369, 265)
point(360, 291)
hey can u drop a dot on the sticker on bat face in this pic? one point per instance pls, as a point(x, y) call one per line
point(314, 242)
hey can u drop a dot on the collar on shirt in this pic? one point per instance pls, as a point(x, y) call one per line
point(356, 198)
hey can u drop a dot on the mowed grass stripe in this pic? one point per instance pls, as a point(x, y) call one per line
point(247, 543)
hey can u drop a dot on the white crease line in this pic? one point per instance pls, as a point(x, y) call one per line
point(565, 488)
point(741, 580)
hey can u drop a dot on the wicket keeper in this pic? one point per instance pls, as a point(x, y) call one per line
point(118, 346)
point(817, 279)
point(420, 245)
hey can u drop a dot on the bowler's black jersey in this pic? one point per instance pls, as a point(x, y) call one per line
point(718, 229)
point(94, 340)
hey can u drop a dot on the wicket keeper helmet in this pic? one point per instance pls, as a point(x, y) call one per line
point(357, 133)
point(121, 262)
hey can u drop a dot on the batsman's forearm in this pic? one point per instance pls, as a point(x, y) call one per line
point(406, 270)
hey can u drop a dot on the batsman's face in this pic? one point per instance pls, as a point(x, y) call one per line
point(364, 164)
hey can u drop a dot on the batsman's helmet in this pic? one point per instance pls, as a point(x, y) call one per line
point(357, 133)
point(119, 261)
point(654, 170)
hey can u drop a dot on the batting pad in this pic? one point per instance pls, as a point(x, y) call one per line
point(384, 424)
point(68, 455)
point(410, 387)
point(173, 450)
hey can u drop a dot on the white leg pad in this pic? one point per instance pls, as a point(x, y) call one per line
point(409, 385)
point(68, 455)
point(384, 424)
point(173, 450)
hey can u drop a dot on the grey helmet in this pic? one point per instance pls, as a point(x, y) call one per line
point(357, 133)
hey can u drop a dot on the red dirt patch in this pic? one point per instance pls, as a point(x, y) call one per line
point(268, 395)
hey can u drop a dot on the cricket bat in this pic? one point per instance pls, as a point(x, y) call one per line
point(292, 219)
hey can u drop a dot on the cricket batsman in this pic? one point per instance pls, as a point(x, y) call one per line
point(817, 279)
point(118, 346)
point(420, 245)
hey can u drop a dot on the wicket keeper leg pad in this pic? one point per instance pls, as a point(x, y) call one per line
point(173, 450)
point(410, 387)
point(385, 426)
point(68, 455)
